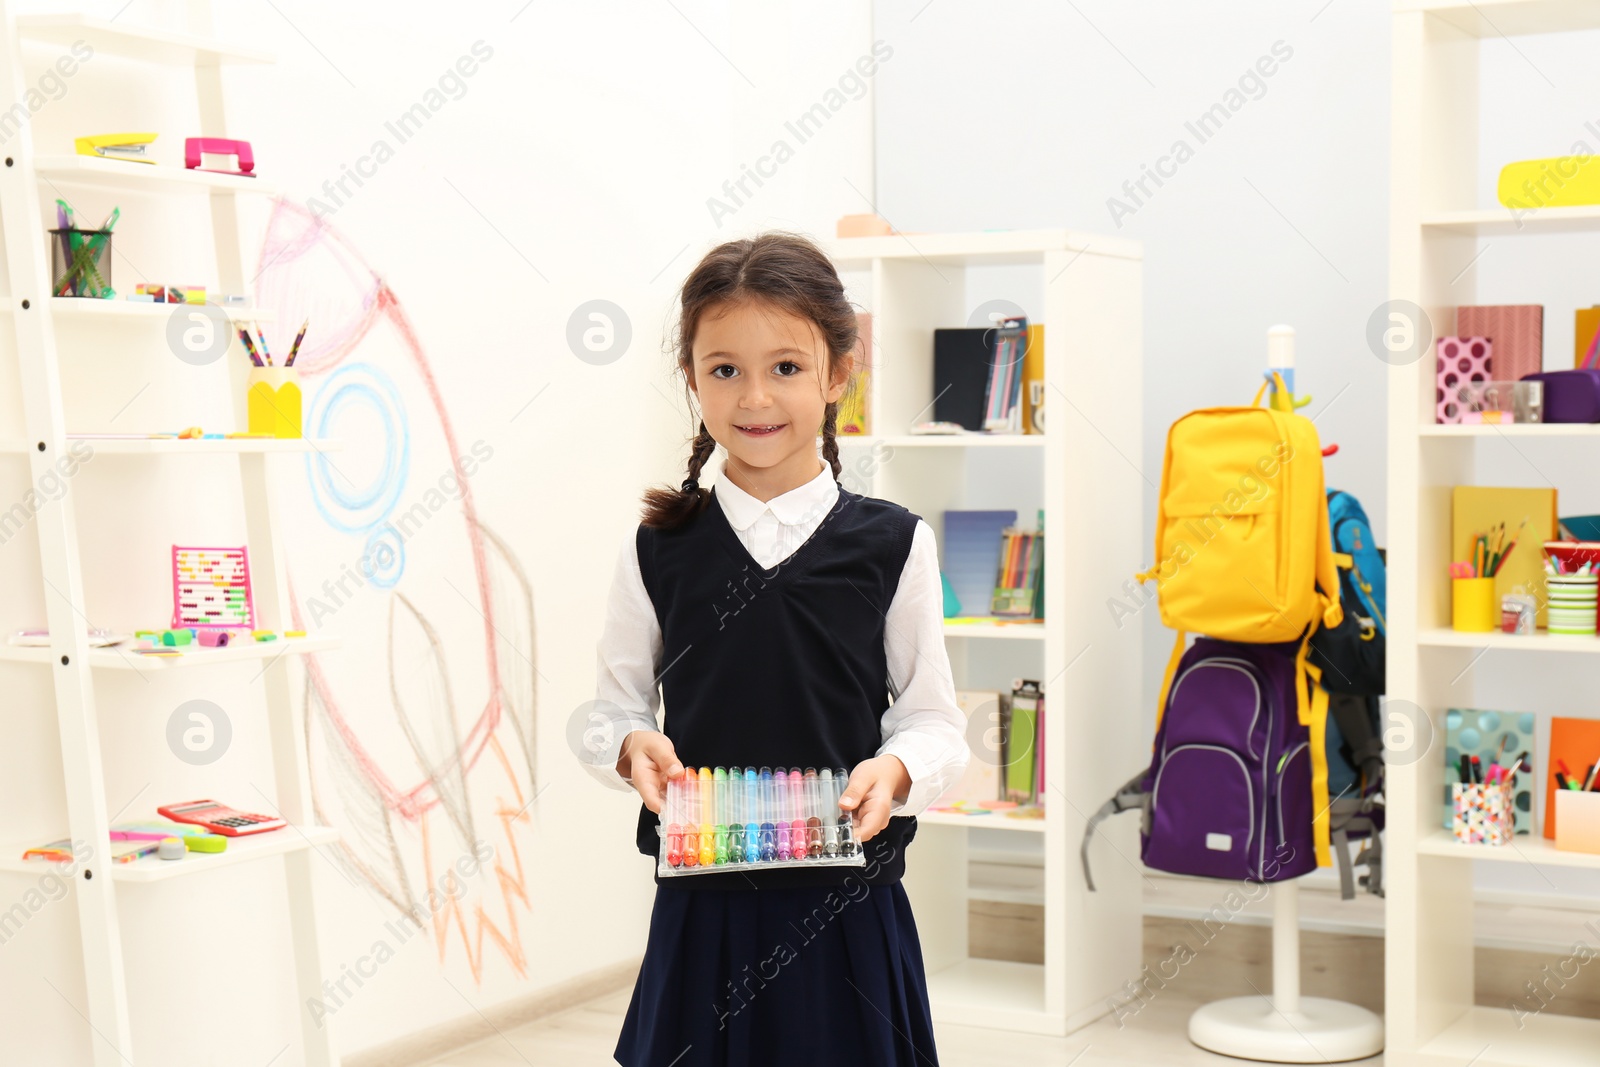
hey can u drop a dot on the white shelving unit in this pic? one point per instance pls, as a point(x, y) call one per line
point(1080, 472)
point(37, 319)
point(1435, 226)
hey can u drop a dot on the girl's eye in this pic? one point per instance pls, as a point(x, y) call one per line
point(723, 367)
point(789, 363)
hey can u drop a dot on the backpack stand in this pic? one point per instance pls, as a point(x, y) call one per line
point(1287, 1028)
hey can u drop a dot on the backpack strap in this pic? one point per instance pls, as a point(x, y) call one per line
point(1172, 670)
point(1312, 707)
point(1366, 747)
point(1129, 795)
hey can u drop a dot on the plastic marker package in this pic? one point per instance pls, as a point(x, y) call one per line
point(743, 819)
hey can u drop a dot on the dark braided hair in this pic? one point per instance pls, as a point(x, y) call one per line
point(785, 270)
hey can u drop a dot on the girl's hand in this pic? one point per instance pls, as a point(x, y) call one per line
point(874, 785)
point(649, 759)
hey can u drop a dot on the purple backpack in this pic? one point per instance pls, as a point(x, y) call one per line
point(1228, 790)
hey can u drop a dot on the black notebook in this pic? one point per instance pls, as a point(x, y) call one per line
point(961, 359)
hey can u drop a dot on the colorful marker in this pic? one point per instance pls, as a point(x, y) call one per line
point(797, 813)
point(691, 818)
point(847, 840)
point(719, 780)
point(813, 815)
point(780, 811)
point(674, 814)
point(830, 801)
point(752, 816)
point(708, 818)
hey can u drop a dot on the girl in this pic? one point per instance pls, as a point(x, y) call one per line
point(780, 612)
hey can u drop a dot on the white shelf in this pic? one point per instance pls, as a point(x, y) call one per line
point(192, 446)
point(135, 42)
point(115, 658)
point(1524, 848)
point(1500, 222)
point(1516, 429)
point(992, 993)
point(972, 440)
point(1540, 641)
point(154, 869)
point(1016, 631)
point(1509, 18)
point(124, 176)
point(985, 248)
point(1497, 1037)
point(998, 821)
point(84, 308)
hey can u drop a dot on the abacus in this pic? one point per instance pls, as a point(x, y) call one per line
point(749, 818)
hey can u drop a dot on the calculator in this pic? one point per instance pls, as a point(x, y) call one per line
point(221, 819)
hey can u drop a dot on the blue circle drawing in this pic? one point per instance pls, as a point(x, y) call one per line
point(384, 560)
point(358, 509)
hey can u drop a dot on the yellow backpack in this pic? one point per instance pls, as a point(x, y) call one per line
point(1243, 548)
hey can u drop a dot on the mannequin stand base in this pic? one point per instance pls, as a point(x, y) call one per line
point(1322, 1031)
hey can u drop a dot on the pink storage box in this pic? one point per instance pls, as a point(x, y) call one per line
point(1515, 330)
point(1459, 360)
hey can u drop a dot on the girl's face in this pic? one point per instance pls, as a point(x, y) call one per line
point(761, 375)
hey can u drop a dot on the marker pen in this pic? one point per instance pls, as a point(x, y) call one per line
point(752, 815)
point(735, 815)
point(689, 790)
point(708, 817)
point(719, 782)
point(797, 814)
point(769, 837)
point(780, 811)
point(830, 811)
point(847, 837)
point(674, 822)
point(813, 816)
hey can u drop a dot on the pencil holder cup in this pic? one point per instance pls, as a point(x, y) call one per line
point(1577, 818)
point(1484, 814)
point(81, 263)
point(273, 401)
point(1472, 604)
point(1572, 603)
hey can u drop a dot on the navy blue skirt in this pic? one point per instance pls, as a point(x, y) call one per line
point(781, 978)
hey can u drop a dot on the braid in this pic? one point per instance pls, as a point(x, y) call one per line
point(830, 443)
point(704, 445)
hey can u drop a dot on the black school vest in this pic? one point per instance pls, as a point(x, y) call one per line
point(781, 666)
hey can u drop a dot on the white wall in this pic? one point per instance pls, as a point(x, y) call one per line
point(575, 163)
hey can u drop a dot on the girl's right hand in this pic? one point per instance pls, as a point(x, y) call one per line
point(649, 758)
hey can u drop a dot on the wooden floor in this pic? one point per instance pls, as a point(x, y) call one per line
point(1155, 1037)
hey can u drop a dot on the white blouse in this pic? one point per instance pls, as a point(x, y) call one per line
point(923, 727)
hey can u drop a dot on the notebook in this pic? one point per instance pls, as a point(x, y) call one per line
point(972, 555)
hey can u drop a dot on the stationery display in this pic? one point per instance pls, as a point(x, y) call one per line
point(1472, 588)
point(745, 818)
point(1574, 756)
point(1508, 516)
point(273, 397)
point(81, 259)
point(1483, 813)
point(1021, 571)
point(990, 379)
point(1482, 746)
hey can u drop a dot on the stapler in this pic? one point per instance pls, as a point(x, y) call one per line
point(128, 146)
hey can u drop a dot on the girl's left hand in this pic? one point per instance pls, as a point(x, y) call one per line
point(874, 785)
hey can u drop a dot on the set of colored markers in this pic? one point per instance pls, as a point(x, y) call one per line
point(732, 818)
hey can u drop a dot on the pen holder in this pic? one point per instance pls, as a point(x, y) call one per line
point(273, 401)
point(81, 263)
point(1577, 818)
point(1572, 603)
point(1484, 814)
point(751, 819)
point(1472, 604)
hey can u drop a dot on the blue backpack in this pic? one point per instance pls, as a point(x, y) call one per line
point(1352, 536)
